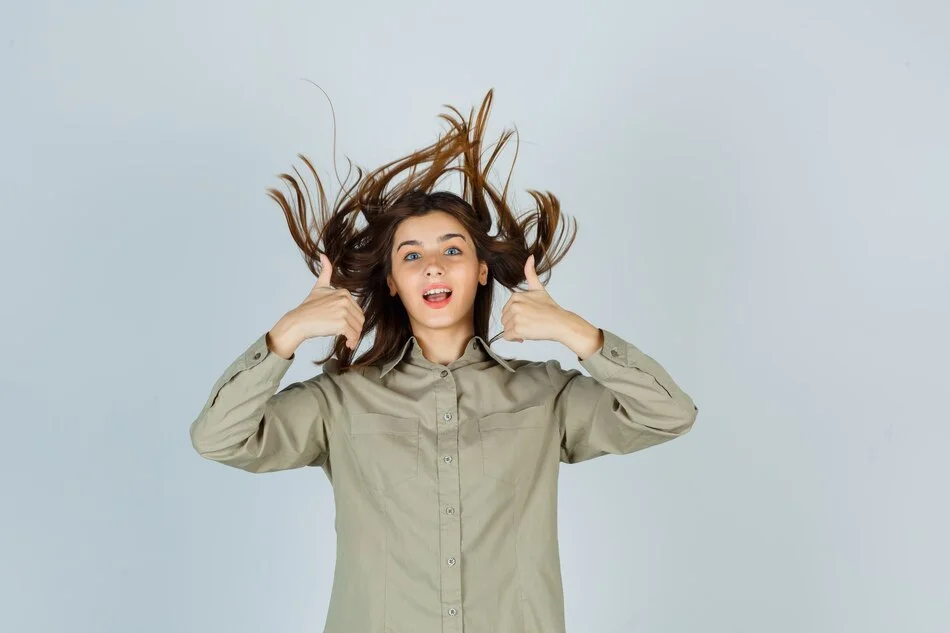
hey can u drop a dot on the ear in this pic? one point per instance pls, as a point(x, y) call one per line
point(483, 273)
point(392, 286)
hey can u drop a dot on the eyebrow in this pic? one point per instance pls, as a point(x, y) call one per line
point(442, 238)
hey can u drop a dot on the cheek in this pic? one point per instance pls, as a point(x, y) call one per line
point(398, 278)
point(468, 269)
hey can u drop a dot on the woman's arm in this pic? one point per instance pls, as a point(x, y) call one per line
point(247, 424)
point(629, 402)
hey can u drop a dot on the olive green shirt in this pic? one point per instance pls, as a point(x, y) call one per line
point(444, 476)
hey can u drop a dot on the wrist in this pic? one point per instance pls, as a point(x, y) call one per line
point(582, 337)
point(282, 340)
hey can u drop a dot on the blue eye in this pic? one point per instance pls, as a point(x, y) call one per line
point(409, 257)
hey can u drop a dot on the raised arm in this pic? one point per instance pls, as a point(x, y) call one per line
point(248, 424)
point(629, 402)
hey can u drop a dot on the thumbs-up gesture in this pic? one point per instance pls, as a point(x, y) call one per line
point(532, 314)
point(326, 311)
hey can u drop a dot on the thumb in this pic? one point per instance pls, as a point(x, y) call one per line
point(323, 281)
point(531, 275)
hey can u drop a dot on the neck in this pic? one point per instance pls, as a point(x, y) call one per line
point(444, 345)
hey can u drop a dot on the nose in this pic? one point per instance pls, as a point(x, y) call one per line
point(434, 270)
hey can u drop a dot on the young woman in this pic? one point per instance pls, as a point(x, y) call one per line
point(443, 455)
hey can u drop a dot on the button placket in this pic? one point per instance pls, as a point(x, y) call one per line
point(446, 399)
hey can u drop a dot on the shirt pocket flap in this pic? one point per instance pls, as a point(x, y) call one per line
point(524, 418)
point(362, 423)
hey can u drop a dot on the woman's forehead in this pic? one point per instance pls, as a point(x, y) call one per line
point(430, 228)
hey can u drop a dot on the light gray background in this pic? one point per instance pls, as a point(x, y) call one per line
point(762, 193)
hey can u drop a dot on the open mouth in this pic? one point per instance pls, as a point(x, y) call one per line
point(437, 298)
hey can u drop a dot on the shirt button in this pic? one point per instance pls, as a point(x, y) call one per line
point(451, 562)
point(475, 345)
point(450, 510)
point(447, 459)
point(257, 355)
point(447, 417)
point(614, 353)
point(453, 611)
point(444, 373)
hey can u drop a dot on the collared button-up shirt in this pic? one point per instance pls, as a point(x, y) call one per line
point(444, 476)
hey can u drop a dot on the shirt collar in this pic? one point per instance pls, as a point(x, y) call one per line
point(477, 349)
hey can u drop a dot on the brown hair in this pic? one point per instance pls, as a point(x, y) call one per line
point(361, 254)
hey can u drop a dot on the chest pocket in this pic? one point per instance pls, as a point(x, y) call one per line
point(512, 442)
point(386, 448)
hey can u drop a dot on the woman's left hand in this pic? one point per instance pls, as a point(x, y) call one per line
point(533, 315)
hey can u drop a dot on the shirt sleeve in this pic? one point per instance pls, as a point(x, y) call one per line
point(629, 402)
point(248, 424)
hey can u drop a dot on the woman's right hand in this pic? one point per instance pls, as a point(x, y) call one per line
point(326, 311)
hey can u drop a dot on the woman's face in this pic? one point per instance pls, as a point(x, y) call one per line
point(430, 252)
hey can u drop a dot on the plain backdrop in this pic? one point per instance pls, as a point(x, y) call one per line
point(762, 196)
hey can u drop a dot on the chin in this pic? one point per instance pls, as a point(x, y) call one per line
point(437, 319)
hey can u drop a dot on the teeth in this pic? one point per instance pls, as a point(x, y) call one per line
point(435, 291)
